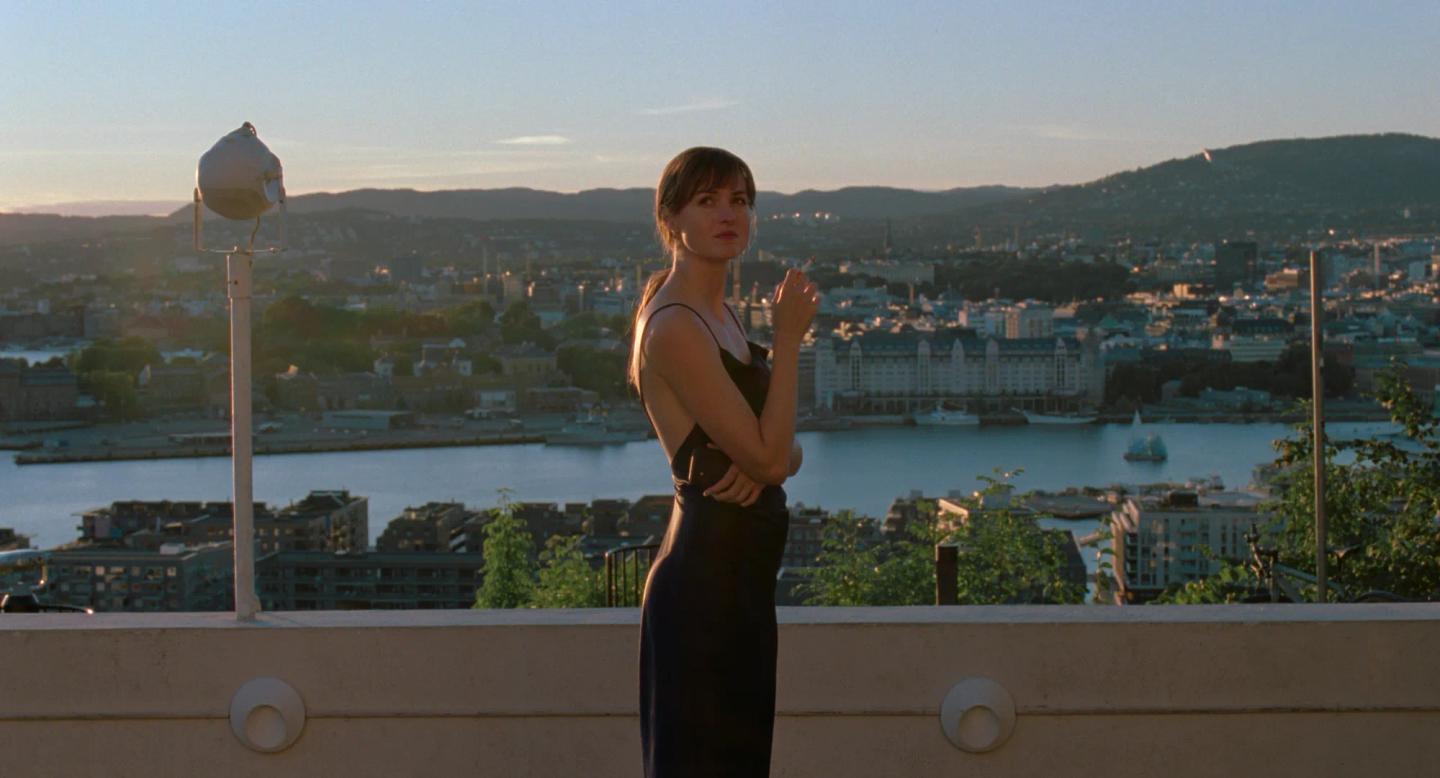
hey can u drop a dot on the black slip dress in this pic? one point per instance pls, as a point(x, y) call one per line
point(707, 624)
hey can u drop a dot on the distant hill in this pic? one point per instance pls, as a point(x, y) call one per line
point(1357, 180)
point(16, 228)
point(879, 202)
point(633, 205)
point(1275, 188)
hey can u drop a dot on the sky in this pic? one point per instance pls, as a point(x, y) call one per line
point(115, 102)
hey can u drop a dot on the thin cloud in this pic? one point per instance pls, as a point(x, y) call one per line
point(711, 104)
point(536, 140)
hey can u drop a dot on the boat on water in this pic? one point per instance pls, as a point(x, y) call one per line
point(1058, 419)
point(592, 431)
point(1145, 447)
point(940, 417)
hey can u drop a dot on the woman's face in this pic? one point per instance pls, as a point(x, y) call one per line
point(715, 224)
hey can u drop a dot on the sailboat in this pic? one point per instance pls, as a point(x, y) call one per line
point(1144, 447)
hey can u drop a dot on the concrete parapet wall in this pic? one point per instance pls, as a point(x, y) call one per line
point(1178, 691)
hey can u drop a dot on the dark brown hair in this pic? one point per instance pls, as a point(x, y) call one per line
point(692, 170)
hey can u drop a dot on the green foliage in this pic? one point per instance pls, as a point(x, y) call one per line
point(106, 370)
point(518, 324)
point(600, 371)
point(294, 331)
point(848, 564)
point(1041, 279)
point(127, 355)
point(1386, 500)
point(509, 571)
point(1382, 499)
point(1287, 377)
point(566, 578)
point(1005, 557)
point(115, 391)
point(1235, 582)
point(470, 319)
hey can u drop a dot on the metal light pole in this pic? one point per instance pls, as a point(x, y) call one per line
point(1317, 391)
point(239, 178)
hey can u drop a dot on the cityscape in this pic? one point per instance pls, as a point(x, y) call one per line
point(503, 334)
point(1117, 435)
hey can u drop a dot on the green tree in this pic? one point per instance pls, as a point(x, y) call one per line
point(847, 565)
point(115, 391)
point(127, 355)
point(1386, 500)
point(470, 319)
point(1005, 557)
point(508, 569)
point(600, 371)
point(1382, 497)
point(518, 324)
point(566, 578)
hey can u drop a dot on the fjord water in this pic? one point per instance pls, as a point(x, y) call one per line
point(863, 470)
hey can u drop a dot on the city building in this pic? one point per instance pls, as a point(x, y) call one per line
point(172, 577)
point(904, 372)
point(1029, 319)
point(1236, 262)
point(434, 526)
point(30, 393)
point(316, 580)
point(1255, 340)
point(322, 521)
point(1177, 538)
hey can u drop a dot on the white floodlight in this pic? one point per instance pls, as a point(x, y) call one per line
point(239, 178)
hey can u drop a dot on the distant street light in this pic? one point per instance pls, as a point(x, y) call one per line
point(238, 178)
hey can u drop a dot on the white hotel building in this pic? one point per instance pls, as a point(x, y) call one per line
point(905, 372)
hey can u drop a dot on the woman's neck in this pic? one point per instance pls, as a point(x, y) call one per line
point(700, 280)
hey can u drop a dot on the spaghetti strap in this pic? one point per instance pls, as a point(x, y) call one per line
point(736, 317)
point(697, 315)
point(640, 385)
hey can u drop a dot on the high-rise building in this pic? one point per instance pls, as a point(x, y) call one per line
point(1236, 262)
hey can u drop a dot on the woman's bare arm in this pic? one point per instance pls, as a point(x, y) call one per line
point(683, 354)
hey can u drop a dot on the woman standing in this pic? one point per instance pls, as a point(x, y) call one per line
point(726, 420)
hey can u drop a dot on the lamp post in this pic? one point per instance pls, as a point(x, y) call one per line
point(1317, 406)
point(238, 178)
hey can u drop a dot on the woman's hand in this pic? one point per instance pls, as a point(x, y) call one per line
point(735, 487)
point(794, 305)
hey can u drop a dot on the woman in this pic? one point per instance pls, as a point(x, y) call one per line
point(726, 420)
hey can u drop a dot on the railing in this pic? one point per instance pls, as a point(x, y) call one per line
point(624, 576)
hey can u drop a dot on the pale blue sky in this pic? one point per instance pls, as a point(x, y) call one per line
point(114, 101)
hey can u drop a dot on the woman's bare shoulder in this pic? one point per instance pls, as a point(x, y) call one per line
point(672, 329)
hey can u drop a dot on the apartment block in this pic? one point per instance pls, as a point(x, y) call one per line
point(1177, 538)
